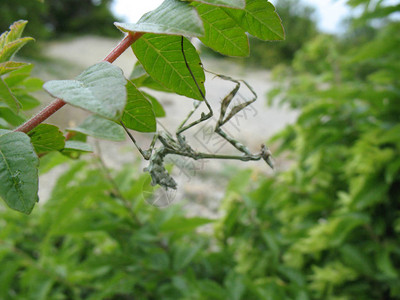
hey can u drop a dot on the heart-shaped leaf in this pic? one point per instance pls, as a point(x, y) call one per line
point(99, 89)
point(222, 32)
point(138, 114)
point(171, 17)
point(101, 128)
point(260, 19)
point(18, 171)
point(46, 138)
point(162, 58)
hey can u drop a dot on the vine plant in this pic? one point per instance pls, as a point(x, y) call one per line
point(158, 40)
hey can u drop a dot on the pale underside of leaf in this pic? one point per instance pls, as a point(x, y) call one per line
point(221, 32)
point(99, 89)
point(162, 58)
point(18, 172)
point(171, 17)
point(77, 146)
point(227, 3)
point(101, 128)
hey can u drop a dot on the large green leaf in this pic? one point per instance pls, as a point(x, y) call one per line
point(7, 96)
point(101, 128)
point(221, 32)
point(46, 138)
point(140, 78)
point(228, 3)
point(171, 17)
point(260, 19)
point(99, 89)
point(162, 58)
point(138, 114)
point(18, 171)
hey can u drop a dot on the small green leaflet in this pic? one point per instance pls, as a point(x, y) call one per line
point(10, 41)
point(9, 66)
point(161, 56)
point(138, 114)
point(46, 138)
point(222, 34)
point(157, 107)
point(99, 89)
point(260, 19)
point(18, 171)
point(101, 128)
point(171, 17)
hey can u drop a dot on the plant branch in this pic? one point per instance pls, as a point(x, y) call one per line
point(54, 106)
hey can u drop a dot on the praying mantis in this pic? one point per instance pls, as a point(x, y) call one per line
point(179, 146)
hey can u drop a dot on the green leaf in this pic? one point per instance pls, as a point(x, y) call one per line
point(222, 34)
point(46, 138)
point(162, 58)
point(18, 172)
point(77, 146)
point(138, 114)
point(27, 101)
point(10, 41)
point(228, 3)
point(101, 128)
point(16, 30)
point(260, 19)
point(171, 17)
point(140, 78)
point(12, 48)
point(9, 66)
point(8, 97)
point(99, 89)
point(157, 107)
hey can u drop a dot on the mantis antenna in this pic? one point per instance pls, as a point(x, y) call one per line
point(179, 146)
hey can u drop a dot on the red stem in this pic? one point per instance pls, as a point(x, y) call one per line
point(58, 103)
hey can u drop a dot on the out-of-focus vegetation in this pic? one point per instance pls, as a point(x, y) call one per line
point(326, 228)
point(58, 18)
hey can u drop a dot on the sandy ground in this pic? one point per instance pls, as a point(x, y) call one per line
point(197, 181)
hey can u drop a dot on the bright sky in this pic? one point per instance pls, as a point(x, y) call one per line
point(329, 12)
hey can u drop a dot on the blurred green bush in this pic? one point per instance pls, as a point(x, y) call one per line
point(58, 18)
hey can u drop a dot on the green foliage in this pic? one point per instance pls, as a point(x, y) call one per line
point(94, 240)
point(167, 62)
